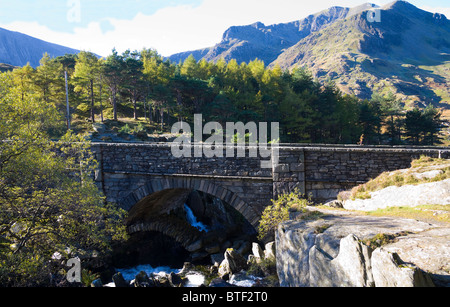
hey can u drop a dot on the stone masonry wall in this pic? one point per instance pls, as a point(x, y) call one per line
point(129, 171)
point(323, 172)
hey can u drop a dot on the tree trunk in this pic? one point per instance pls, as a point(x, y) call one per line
point(150, 113)
point(92, 102)
point(115, 105)
point(101, 104)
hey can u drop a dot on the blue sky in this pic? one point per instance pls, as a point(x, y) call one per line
point(53, 13)
point(167, 25)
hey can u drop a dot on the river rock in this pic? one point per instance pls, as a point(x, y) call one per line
point(330, 252)
point(244, 248)
point(220, 283)
point(212, 248)
point(97, 283)
point(216, 259)
point(257, 251)
point(197, 245)
point(119, 281)
point(233, 263)
point(199, 256)
point(142, 280)
point(175, 280)
point(269, 251)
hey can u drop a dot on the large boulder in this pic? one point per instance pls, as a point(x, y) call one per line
point(270, 251)
point(331, 251)
point(119, 281)
point(233, 263)
point(389, 271)
point(142, 280)
point(257, 251)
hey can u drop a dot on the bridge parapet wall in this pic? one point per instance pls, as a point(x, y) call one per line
point(324, 171)
point(158, 159)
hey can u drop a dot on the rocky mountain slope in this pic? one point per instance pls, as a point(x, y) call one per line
point(246, 43)
point(18, 49)
point(406, 52)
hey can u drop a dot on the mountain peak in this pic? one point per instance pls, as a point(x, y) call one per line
point(361, 8)
point(399, 4)
point(258, 25)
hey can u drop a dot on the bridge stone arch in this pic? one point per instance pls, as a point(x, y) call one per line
point(210, 187)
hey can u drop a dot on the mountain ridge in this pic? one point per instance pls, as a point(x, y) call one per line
point(406, 51)
point(257, 38)
point(18, 49)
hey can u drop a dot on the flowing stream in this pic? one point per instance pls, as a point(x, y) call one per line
point(193, 220)
point(129, 274)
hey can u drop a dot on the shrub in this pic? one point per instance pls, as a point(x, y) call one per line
point(278, 212)
point(125, 130)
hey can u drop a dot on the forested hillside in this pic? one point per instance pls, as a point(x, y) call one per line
point(157, 93)
point(406, 51)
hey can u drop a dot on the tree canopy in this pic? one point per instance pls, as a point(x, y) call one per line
point(49, 203)
point(142, 83)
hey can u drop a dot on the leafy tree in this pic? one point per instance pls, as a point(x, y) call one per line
point(23, 79)
point(112, 70)
point(49, 80)
point(87, 70)
point(370, 121)
point(414, 126)
point(49, 203)
point(422, 127)
point(189, 68)
point(347, 128)
point(391, 111)
point(432, 125)
point(133, 74)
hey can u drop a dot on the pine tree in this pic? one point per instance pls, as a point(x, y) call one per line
point(87, 70)
point(112, 70)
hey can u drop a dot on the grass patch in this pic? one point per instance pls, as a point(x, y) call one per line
point(426, 213)
point(411, 176)
point(382, 239)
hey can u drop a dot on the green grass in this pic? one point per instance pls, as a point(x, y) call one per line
point(426, 213)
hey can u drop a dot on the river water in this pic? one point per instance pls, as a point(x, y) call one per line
point(129, 274)
point(192, 219)
point(195, 279)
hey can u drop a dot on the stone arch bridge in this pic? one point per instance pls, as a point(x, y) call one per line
point(129, 172)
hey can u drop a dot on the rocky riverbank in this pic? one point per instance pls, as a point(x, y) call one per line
point(256, 268)
point(346, 246)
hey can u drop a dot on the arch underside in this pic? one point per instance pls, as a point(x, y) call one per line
point(206, 186)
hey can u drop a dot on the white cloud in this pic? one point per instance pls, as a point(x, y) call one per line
point(442, 10)
point(181, 28)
